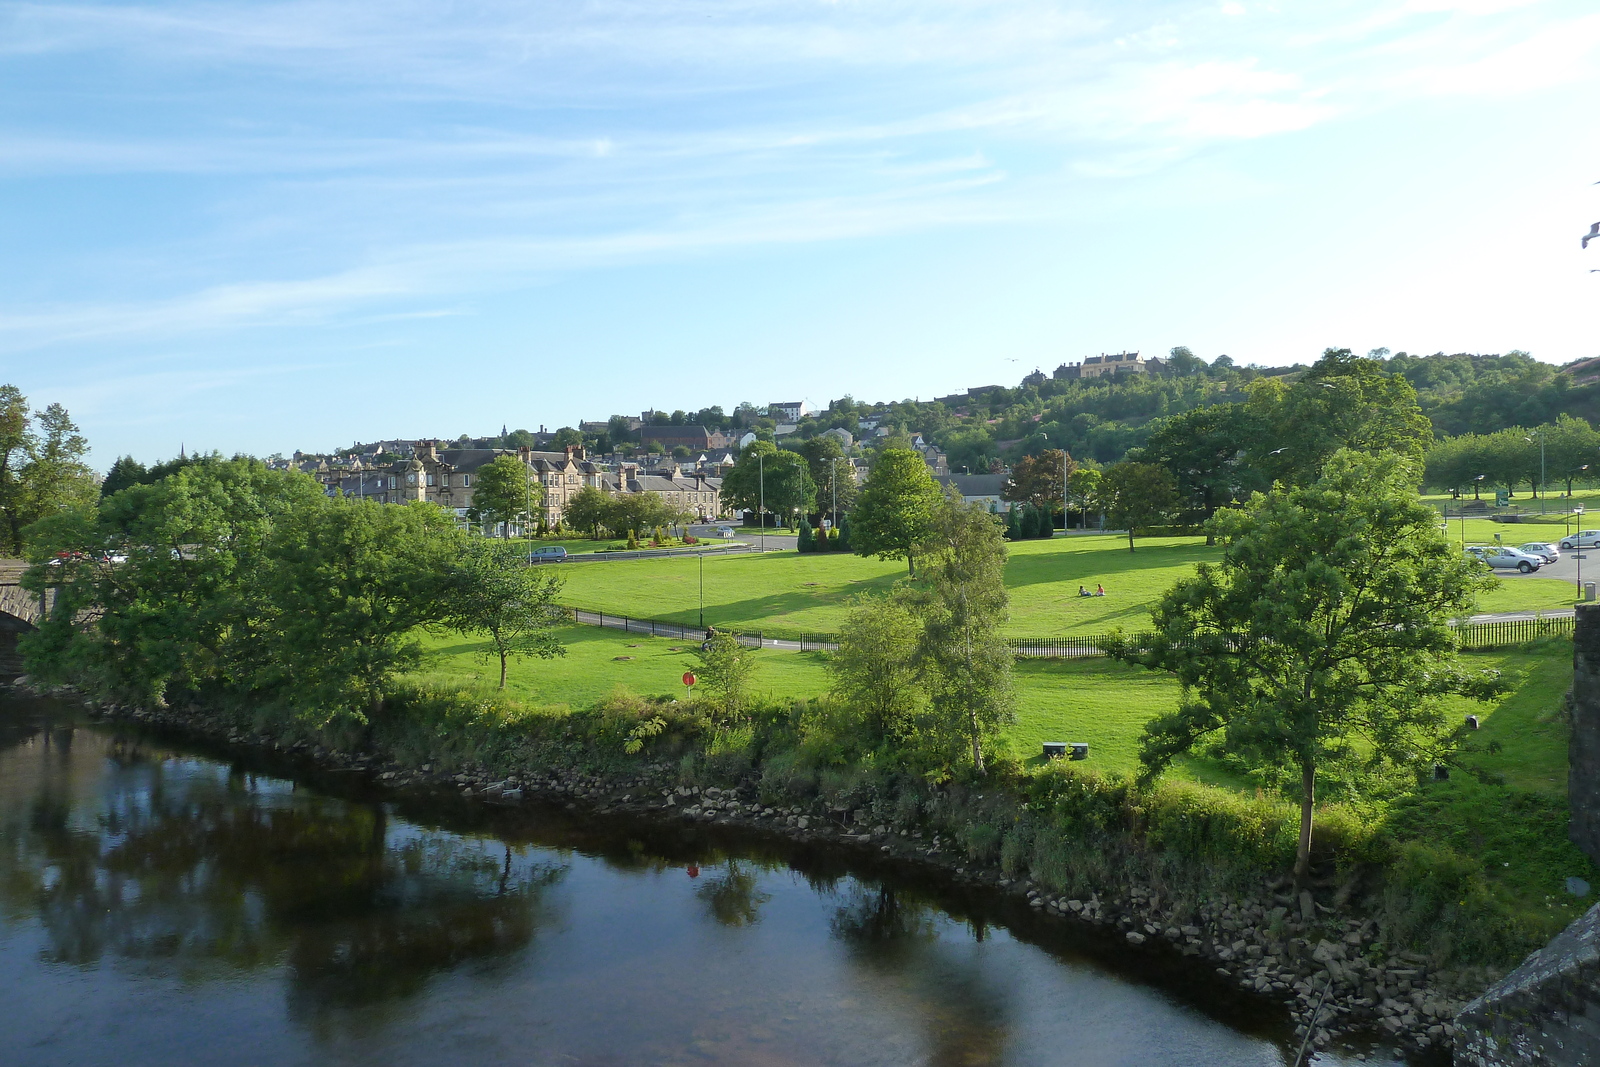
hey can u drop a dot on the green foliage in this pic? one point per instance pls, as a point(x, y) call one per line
point(496, 593)
point(805, 542)
point(875, 670)
point(724, 674)
point(1326, 623)
point(505, 490)
point(895, 510)
point(1040, 480)
point(962, 647)
point(1134, 495)
point(41, 466)
point(764, 474)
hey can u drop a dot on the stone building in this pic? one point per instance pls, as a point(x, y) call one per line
point(1116, 363)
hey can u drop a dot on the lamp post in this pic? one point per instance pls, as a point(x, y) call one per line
point(1577, 548)
point(1065, 491)
point(702, 558)
point(761, 478)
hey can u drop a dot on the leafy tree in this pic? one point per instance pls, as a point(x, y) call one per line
point(832, 473)
point(617, 429)
point(781, 476)
point(565, 438)
point(1204, 450)
point(1343, 401)
point(1571, 444)
point(497, 594)
point(124, 472)
point(1136, 494)
point(41, 466)
point(1039, 480)
point(875, 669)
point(504, 490)
point(1323, 637)
point(724, 673)
point(589, 509)
point(896, 508)
point(962, 647)
point(346, 586)
point(1084, 488)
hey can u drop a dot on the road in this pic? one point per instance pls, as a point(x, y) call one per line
point(774, 543)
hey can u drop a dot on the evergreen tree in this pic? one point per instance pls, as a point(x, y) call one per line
point(805, 543)
point(844, 533)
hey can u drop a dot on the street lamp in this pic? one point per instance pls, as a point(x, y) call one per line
point(1462, 511)
point(761, 476)
point(702, 558)
point(1065, 492)
point(1577, 548)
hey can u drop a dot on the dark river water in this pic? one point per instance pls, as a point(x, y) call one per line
point(160, 904)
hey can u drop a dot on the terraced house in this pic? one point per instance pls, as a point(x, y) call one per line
point(445, 476)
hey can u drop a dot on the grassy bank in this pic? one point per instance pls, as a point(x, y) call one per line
point(1499, 822)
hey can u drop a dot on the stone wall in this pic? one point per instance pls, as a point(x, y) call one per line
point(1583, 775)
point(1546, 1012)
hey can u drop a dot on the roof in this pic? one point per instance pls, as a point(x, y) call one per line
point(973, 484)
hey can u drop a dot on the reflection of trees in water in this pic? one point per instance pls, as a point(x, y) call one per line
point(733, 894)
point(187, 870)
point(896, 941)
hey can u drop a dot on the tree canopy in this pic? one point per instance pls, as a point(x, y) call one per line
point(895, 510)
point(1322, 638)
point(764, 472)
point(505, 490)
point(42, 469)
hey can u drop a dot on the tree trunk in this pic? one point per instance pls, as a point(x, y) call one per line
point(977, 742)
point(1308, 800)
point(1130, 538)
point(911, 562)
point(502, 668)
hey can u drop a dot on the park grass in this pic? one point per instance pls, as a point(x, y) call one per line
point(1504, 804)
point(790, 592)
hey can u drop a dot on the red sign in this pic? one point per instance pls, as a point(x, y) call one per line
point(688, 678)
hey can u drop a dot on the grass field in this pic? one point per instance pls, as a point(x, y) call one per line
point(1506, 804)
point(788, 591)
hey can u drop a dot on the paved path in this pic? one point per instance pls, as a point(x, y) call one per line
point(774, 543)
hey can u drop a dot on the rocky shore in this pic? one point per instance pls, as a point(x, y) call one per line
point(1323, 962)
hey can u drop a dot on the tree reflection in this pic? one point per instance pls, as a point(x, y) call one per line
point(187, 869)
point(897, 942)
point(732, 894)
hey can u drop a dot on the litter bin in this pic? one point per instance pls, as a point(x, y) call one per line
point(1588, 591)
point(1055, 749)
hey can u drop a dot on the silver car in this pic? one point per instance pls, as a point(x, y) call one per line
point(1501, 558)
point(1582, 539)
point(1543, 549)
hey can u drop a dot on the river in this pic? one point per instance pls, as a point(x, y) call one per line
point(161, 903)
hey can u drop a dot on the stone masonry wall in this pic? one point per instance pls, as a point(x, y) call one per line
point(1583, 775)
point(1545, 1012)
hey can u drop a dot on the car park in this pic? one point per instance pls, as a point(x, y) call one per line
point(1506, 558)
point(1543, 549)
point(1582, 539)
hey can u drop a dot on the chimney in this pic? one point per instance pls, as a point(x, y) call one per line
point(526, 455)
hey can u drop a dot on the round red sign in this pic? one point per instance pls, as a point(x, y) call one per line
point(688, 678)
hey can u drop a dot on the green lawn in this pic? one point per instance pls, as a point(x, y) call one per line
point(787, 591)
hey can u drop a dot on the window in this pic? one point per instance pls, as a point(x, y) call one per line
point(430, 481)
point(466, 480)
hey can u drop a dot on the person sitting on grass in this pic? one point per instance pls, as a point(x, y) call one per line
point(1099, 590)
point(1084, 592)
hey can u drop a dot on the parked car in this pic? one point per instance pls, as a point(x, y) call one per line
point(1543, 549)
point(548, 554)
point(1504, 558)
point(1582, 539)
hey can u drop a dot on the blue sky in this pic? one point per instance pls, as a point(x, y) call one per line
point(294, 225)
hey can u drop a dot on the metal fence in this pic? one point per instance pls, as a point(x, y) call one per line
point(1475, 636)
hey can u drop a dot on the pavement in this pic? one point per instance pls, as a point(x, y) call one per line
point(747, 543)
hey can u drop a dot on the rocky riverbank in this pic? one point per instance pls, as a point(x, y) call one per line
point(1325, 963)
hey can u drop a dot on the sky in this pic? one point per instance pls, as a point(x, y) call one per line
point(294, 225)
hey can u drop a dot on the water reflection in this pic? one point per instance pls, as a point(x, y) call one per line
point(180, 867)
point(161, 907)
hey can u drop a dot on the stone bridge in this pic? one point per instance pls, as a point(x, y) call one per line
point(19, 609)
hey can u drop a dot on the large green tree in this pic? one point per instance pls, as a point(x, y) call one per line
point(875, 670)
point(1204, 451)
point(42, 468)
point(505, 490)
point(963, 648)
point(1322, 638)
point(832, 473)
point(895, 510)
point(495, 593)
point(1134, 495)
point(1342, 401)
point(765, 473)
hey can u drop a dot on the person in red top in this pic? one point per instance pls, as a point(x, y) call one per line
point(1099, 590)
